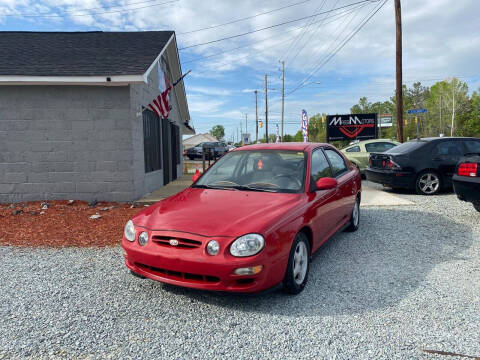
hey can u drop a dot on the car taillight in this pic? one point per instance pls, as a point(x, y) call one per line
point(390, 164)
point(468, 169)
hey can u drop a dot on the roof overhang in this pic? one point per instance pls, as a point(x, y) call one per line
point(115, 80)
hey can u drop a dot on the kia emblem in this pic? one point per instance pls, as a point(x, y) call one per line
point(173, 242)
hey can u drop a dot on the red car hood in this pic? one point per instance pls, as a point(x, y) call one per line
point(218, 212)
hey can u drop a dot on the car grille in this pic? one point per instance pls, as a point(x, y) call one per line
point(182, 243)
point(177, 275)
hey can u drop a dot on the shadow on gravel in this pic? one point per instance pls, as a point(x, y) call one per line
point(376, 267)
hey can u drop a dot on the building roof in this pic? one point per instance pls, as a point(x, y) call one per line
point(197, 139)
point(80, 53)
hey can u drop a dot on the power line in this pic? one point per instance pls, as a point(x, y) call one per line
point(292, 44)
point(340, 15)
point(245, 18)
point(73, 13)
point(338, 49)
point(272, 26)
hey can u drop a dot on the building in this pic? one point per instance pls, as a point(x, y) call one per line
point(74, 116)
point(194, 140)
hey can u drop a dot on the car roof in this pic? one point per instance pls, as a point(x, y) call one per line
point(447, 138)
point(294, 146)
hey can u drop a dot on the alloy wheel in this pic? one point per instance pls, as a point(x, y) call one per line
point(300, 262)
point(429, 183)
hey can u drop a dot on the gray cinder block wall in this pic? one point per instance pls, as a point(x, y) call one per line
point(65, 142)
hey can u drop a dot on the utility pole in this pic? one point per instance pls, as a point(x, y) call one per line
point(256, 116)
point(246, 131)
point(399, 91)
point(453, 108)
point(441, 122)
point(283, 96)
point(266, 109)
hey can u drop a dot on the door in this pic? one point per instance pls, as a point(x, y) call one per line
point(165, 151)
point(323, 209)
point(446, 155)
point(346, 191)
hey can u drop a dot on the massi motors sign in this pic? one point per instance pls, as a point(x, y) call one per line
point(351, 127)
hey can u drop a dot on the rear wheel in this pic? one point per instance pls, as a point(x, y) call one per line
point(428, 183)
point(355, 219)
point(476, 205)
point(191, 157)
point(298, 265)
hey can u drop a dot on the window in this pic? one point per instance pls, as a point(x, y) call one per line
point(449, 148)
point(379, 146)
point(354, 149)
point(152, 141)
point(320, 166)
point(337, 162)
point(407, 147)
point(473, 146)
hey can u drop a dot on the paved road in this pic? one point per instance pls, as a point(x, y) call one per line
point(408, 280)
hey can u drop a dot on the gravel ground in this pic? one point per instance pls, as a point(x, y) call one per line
point(408, 280)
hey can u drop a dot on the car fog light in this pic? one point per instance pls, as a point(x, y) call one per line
point(143, 238)
point(213, 247)
point(248, 270)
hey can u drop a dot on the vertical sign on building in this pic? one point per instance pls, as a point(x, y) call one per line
point(305, 126)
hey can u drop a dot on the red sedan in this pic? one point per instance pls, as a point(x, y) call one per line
point(250, 222)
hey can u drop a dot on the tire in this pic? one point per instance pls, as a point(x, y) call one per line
point(191, 157)
point(428, 183)
point(296, 276)
point(355, 218)
point(476, 205)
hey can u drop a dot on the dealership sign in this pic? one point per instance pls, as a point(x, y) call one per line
point(385, 120)
point(350, 127)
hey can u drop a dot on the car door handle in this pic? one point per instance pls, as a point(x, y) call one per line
point(437, 159)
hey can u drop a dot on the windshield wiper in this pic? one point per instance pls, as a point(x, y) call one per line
point(251, 188)
point(214, 187)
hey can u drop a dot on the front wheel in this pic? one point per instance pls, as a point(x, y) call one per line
point(298, 265)
point(476, 205)
point(355, 218)
point(428, 183)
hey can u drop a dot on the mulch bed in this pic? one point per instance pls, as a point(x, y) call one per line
point(63, 224)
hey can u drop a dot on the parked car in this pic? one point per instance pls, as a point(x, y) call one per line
point(213, 150)
point(466, 180)
point(359, 152)
point(251, 221)
point(426, 165)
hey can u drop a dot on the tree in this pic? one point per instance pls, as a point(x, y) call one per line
point(218, 131)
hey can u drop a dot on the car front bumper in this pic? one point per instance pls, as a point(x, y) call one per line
point(394, 179)
point(467, 188)
point(194, 268)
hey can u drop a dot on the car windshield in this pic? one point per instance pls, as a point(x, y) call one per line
point(257, 170)
point(406, 147)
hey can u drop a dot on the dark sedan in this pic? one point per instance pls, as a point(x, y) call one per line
point(466, 180)
point(213, 150)
point(426, 165)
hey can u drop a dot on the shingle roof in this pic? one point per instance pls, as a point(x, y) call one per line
point(79, 53)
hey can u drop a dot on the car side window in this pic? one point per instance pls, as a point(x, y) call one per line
point(320, 167)
point(473, 146)
point(354, 149)
point(336, 160)
point(379, 146)
point(449, 148)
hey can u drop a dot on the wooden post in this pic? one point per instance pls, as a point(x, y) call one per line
point(399, 91)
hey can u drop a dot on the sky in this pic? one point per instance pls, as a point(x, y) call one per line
point(335, 51)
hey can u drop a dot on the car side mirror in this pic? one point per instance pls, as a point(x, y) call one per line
point(326, 183)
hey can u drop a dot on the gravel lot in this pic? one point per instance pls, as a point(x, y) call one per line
point(408, 280)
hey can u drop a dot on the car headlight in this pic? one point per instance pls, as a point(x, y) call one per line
point(143, 238)
point(213, 247)
point(129, 231)
point(247, 245)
